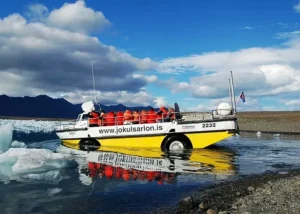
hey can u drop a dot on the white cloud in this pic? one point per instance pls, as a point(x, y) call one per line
point(247, 28)
point(77, 17)
point(258, 71)
point(141, 98)
point(38, 58)
point(37, 12)
point(297, 7)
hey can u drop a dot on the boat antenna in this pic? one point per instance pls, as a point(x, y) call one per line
point(96, 99)
point(230, 92)
point(232, 85)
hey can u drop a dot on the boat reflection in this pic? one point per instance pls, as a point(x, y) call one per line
point(154, 165)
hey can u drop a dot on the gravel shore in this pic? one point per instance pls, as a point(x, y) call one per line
point(270, 122)
point(270, 193)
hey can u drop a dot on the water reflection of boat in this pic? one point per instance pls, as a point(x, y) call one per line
point(117, 163)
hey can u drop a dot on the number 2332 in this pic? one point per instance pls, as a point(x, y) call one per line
point(208, 125)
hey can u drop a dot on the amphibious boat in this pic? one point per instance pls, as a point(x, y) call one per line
point(188, 130)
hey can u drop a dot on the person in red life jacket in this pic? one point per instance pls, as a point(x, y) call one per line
point(150, 176)
point(144, 116)
point(127, 117)
point(135, 174)
point(126, 174)
point(161, 114)
point(108, 171)
point(151, 116)
point(101, 120)
point(136, 117)
point(119, 172)
point(110, 119)
point(93, 118)
point(120, 118)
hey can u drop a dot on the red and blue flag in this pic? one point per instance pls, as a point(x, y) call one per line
point(242, 96)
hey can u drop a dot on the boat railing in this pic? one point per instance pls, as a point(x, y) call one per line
point(147, 119)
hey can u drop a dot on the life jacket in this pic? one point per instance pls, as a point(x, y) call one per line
point(172, 114)
point(126, 174)
point(119, 173)
point(150, 176)
point(108, 170)
point(94, 118)
point(151, 116)
point(120, 118)
point(136, 117)
point(162, 113)
point(128, 115)
point(144, 116)
point(110, 119)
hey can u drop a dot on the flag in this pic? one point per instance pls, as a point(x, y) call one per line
point(242, 96)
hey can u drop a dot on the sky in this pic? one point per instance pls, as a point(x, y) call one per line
point(153, 52)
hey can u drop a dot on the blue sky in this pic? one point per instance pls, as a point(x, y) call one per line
point(153, 52)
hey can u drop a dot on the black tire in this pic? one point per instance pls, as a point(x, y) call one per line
point(89, 144)
point(176, 141)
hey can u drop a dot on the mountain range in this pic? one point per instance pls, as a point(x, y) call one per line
point(43, 106)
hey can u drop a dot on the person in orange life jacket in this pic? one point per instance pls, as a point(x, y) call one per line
point(110, 119)
point(136, 117)
point(101, 121)
point(161, 114)
point(144, 117)
point(151, 116)
point(93, 118)
point(127, 117)
point(120, 118)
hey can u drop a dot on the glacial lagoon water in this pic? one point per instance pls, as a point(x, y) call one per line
point(38, 175)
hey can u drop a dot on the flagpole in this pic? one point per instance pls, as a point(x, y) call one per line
point(230, 92)
point(233, 91)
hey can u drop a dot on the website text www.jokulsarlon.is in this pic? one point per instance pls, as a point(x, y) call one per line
point(131, 129)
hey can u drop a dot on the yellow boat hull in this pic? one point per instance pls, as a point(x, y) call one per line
point(198, 140)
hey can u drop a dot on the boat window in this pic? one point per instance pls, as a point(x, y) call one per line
point(85, 117)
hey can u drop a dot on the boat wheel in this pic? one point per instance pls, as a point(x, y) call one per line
point(176, 143)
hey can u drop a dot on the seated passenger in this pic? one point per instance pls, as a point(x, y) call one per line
point(120, 118)
point(136, 117)
point(161, 114)
point(144, 116)
point(127, 117)
point(110, 119)
point(93, 118)
point(101, 121)
point(151, 116)
point(171, 114)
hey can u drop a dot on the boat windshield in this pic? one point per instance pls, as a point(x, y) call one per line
point(82, 117)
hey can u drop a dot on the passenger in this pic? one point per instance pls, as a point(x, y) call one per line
point(144, 116)
point(120, 118)
point(171, 114)
point(110, 119)
point(136, 117)
point(101, 121)
point(108, 170)
point(93, 118)
point(126, 174)
point(161, 114)
point(127, 117)
point(151, 116)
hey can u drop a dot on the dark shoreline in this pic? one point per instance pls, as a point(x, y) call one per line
point(232, 196)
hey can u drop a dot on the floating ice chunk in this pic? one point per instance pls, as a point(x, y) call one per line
point(18, 144)
point(50, 177)
point(53, 191)
point(276, 135)
point(20, 162)
point(29, 126)
point(258, 134)
point(5, 137)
